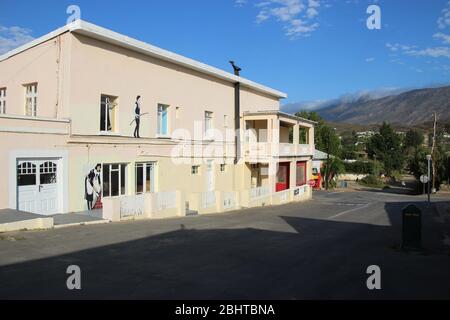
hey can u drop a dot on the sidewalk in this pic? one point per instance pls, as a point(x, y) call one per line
point(15, 220)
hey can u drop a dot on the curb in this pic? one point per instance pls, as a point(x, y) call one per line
point(60, 226)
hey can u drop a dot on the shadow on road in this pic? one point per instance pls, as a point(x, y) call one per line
point(324, 259)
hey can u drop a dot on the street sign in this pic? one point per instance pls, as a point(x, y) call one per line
point(424, 178)
point(411, 227)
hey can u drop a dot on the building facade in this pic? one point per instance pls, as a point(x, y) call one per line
point(90, 118)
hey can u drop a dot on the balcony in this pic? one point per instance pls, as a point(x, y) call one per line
point(269, 135)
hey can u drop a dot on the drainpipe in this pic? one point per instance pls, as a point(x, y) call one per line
point(237, 114)
point(237, 121)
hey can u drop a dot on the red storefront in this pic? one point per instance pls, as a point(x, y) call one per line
point(283, 173)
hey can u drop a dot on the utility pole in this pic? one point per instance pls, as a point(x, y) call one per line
point(327, 172)
point(433, 152)
point(429, 180)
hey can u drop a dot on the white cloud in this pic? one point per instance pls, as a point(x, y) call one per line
point(444, 20)
point(368, 60)
point(13, 37)
point(436, 52)
point(298, 17)
point(433, 52)
point(240, 3)
point(442, 36)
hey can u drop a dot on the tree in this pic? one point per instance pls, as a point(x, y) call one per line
point(325, 139)
point(333, 167)
point(413, 139)
point(385, 146)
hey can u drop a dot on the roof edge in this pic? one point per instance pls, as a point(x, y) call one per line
point(91, 30)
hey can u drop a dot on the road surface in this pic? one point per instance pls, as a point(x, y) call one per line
point(318, 249)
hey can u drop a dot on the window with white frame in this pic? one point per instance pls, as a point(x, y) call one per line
point(114, 179)
point(145, 177)
point(208, 124)
point(163, 121)
point(195, 170)
point(31, 99)
point(2, 100)
point(108, 106)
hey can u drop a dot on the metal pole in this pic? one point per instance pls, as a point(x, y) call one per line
point(429, 180)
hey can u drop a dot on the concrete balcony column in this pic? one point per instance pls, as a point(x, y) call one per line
point(275, 130)
point(311, 139)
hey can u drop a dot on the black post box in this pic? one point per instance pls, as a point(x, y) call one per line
point(412, 227)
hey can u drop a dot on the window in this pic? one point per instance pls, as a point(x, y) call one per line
point(225, 121)
point(3, 100)
point(107, 113)
point(47, 172)
point(222, 167)
point(194, 170)
point(301, 173)
point(145, 181)
point(114, 180)
point(31, 99)
point(26, 174)
point(208, 124)
point(162, 128)
point(177, 112)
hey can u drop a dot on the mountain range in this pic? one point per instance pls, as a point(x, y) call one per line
point(402, 108)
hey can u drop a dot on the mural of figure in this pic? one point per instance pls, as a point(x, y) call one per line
point(89, 189)
point(92, 185)
point(137, 116)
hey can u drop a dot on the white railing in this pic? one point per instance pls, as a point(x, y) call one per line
point(259, 192)
point(132, 206)
point(303, 149)
point(208, 199)
point(286, 149)
point(257, 149)
point(229, 200)
point(166, 200)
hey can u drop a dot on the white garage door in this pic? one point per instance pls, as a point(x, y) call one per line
point(37, 185)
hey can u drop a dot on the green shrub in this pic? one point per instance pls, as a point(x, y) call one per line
point(359, 167)
point(372, 181)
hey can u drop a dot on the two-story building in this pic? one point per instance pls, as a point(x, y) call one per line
point(69, 112)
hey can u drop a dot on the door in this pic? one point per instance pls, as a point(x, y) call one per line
point(209, 176)
point(37, 186)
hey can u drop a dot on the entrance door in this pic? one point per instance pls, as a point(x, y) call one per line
point(209, 176)
point(37, 186)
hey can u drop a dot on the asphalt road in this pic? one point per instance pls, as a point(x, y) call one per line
point(318, 249)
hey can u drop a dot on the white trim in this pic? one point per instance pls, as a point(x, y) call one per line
point(63, 187)
point(33, 130)
point(99, 33)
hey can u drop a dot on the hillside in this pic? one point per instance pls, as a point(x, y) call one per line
point(407, 108)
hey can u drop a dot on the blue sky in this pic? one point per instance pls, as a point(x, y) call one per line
point(311, 49)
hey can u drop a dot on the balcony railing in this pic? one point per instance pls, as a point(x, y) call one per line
point(258, 150)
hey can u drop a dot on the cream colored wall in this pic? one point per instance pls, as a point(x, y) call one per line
point(29, 142)
point(38, 65)
point(89, 68)
point(253, 101)
point(126, 74)
point(284, 134)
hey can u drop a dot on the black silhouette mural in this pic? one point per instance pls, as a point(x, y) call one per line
point(137, 116)
point(92, 188)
